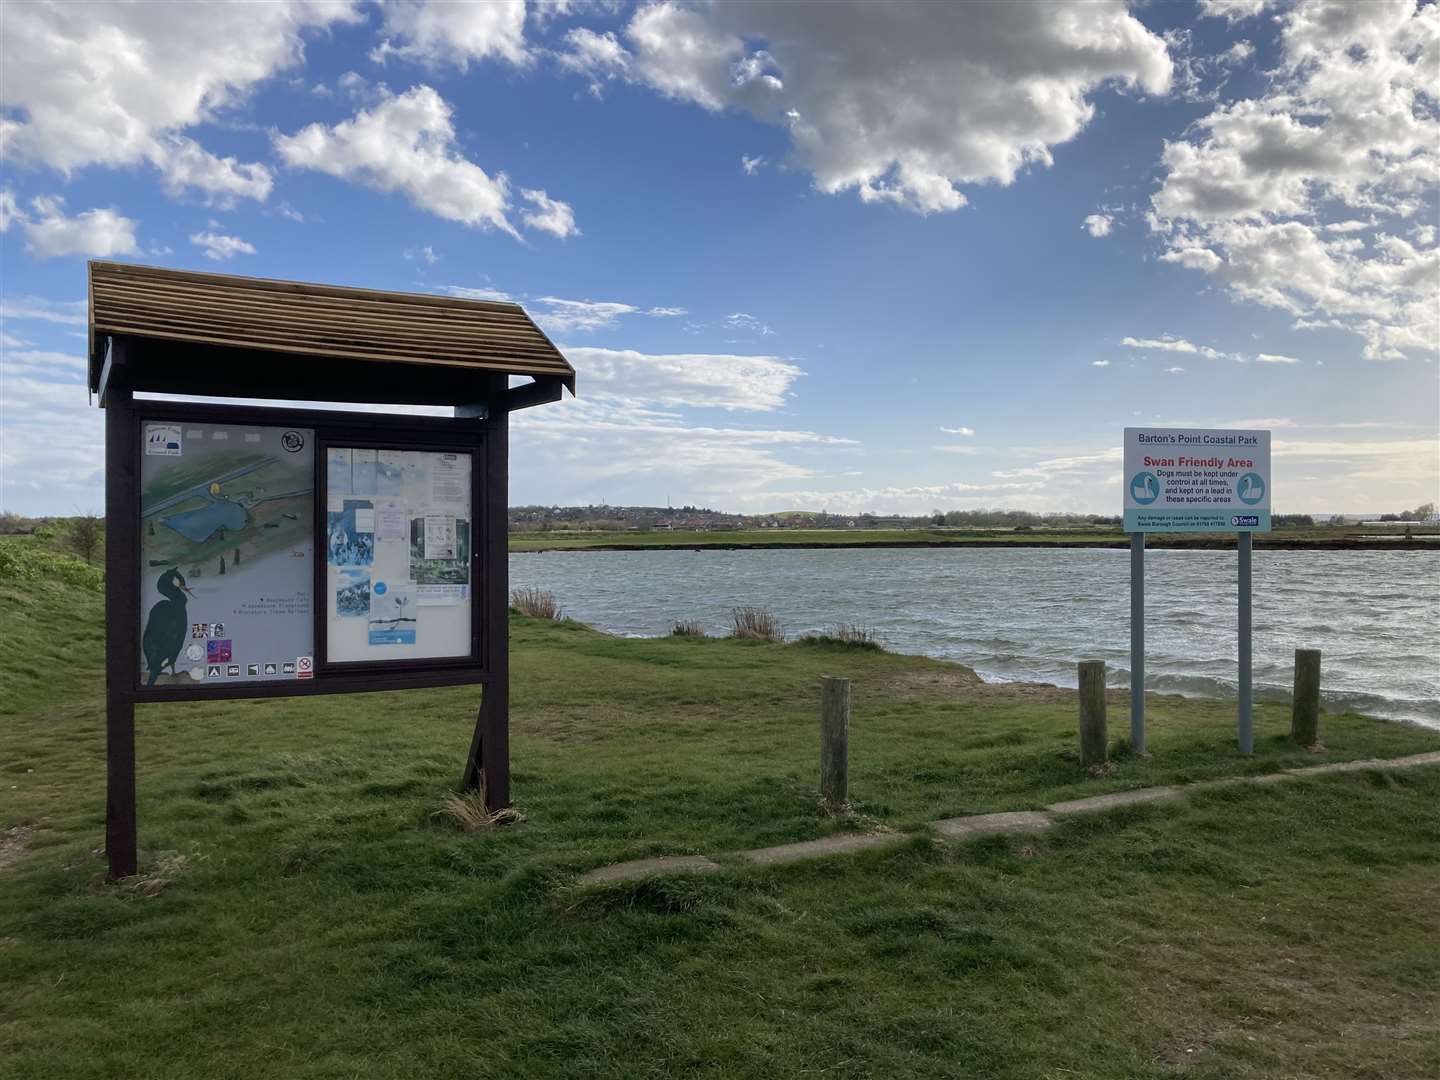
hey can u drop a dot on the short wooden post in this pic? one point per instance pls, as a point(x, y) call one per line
point(835, 741)
point(1305, 715)
point(1094, 745)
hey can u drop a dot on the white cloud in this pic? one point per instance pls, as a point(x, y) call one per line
point(962, 430)
point(51, 441)
point(49, 233)
point(1264, 195)
point(184, 163)
point(219, 247)
point(118, 84)
point(586, 449)
point(65, 312)
point(1174, 371)
point(563, 316)
point(747, 324)
point(598, 57)
point(897, 102)
point(9, 210)
point(751, 165)
point(1098, 225)
point(755, 383)
point(10, 341)
point(958, 448)
point(440, 32)
point(465, 292)
point(424, 254)
point(45, 362)
point(1275, 358)
point(1099, 363)
point(1233, 10)
point(549, 215)
point(406, 144)
point(1168, 343)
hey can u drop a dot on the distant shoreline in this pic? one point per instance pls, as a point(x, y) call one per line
point(1170, 542)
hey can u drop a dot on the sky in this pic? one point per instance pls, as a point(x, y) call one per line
point(857, 257)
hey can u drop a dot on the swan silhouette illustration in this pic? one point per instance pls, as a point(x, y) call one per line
point(1251, 488)
point(1145, 488)
point(164, 634)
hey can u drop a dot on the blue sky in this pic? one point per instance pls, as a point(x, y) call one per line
point(861, 257)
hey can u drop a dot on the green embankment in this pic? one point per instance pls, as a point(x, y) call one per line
point(320, 921)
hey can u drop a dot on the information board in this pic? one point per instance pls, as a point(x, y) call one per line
point(1196, 480)
point(398, 554)
point(227, 517)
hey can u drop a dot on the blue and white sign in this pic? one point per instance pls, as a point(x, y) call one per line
point(1196, 480)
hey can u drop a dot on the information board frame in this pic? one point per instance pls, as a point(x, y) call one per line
point(394, 431)
point(164, 344)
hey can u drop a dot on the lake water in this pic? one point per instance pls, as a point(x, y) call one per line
point(1029, 614)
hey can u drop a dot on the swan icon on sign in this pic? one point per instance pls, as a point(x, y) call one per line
point(1144, 488)
point(1251, 488)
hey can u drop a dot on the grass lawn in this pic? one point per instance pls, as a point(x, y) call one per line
point(320, 921)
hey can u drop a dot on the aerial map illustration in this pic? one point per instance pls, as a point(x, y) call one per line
point(227, 518)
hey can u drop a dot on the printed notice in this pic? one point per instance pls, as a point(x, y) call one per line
point(391, 522)
point(449, 478)
point(439, 536)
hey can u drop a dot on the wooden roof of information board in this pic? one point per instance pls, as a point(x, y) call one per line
point(315, 320)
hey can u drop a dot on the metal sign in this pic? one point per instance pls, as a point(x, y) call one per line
point(1196, 480)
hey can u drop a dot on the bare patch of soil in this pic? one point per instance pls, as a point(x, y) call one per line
point(14, 842)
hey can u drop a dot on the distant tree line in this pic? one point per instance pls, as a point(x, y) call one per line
point(1017, 519)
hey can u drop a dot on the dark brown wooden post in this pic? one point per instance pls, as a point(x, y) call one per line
point(488, 764)
point(1305, 713)
point(1094, 739)
point(122, 624)
point(835, 742)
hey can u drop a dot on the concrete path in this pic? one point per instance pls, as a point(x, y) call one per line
point(977, 825)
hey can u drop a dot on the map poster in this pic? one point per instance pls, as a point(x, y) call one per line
point(226, 553)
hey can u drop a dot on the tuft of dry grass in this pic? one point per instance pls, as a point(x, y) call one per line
point(537, 603)
point(687, 629)
point(153, 878)
point(468, 811)
point(757, 623)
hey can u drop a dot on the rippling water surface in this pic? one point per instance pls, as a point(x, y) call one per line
point(1031, 613)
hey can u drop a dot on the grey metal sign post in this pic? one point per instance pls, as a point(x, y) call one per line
point(1194, 480)
point(1245, 723)
point(1137, 642)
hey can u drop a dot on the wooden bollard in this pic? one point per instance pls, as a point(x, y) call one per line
point(1305, 714)
point(835, 741)
point(1094, 742)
